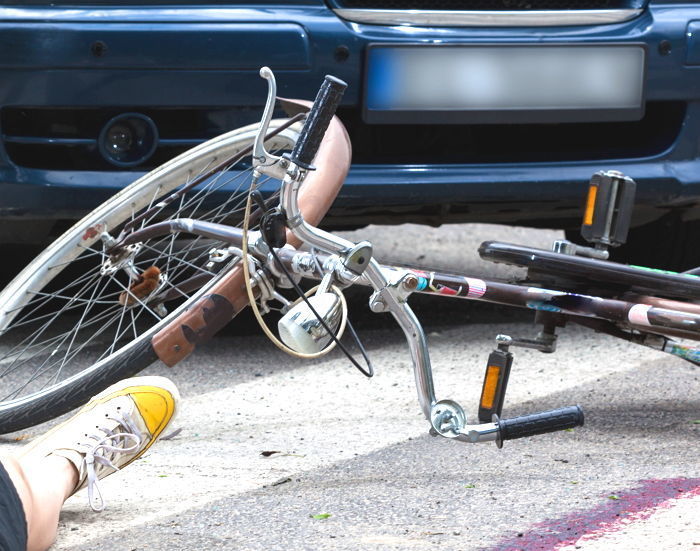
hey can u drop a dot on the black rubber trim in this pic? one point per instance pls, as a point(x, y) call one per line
point(64, 399)
point(540, 423)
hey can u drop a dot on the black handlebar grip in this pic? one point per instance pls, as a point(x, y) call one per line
point(540, 423)
point(317, 121)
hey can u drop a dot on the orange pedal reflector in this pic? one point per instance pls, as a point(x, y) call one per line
point(590, 205)
point(493, 390)
point(488, 392)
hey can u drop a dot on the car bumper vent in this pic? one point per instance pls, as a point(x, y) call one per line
point(69, 138)
point(514, 143)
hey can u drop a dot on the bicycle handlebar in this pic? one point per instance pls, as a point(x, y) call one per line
point(317, 121)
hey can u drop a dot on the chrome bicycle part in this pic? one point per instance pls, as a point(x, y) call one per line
point(219, 256)
point(544, 342)
point(265, 162)
point(485, 432)
point(564, 246)
point(375, 276)
point(447, 418)
point(401, 284)
point(357, 259)
point(305, 327)
point(281, 278)
point(266, 288)
point(122, 260)
point(303, 331)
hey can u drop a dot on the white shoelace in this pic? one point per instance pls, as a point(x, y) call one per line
point(104, 452)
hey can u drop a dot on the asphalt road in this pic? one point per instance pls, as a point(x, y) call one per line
point(276, 453)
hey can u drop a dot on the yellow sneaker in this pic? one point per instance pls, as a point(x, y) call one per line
point(113, 429)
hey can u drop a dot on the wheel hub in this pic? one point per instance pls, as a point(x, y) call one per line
point(122, 260)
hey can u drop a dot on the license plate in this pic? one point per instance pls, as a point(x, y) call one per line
point(500, 84)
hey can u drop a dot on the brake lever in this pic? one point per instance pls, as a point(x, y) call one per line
point(265, 162)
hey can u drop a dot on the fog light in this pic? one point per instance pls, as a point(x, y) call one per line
point(128, 139)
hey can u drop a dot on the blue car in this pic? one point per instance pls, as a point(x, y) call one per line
point(458, 110)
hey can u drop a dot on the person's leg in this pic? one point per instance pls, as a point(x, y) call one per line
point(42, 487)
point(13, 526)
point(116, 427)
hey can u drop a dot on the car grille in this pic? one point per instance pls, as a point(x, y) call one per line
point(61, 139)
point(488, 5)
point(514, 143)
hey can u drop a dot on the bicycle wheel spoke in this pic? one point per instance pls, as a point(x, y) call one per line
point(130, 294)
point(40, 346)
point(73, 299)
point(116, 339)
point(41, 300)
point(65, 336)
point(89, 305)
point(101, 329)
point(75, 304)
point(43, 367)
point(51, 318)
point(189, 264)
point(147, 220)
point(68, 262)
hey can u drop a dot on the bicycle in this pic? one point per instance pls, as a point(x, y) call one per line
point(162, 266)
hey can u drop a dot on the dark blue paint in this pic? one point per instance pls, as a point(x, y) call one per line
point(154, 46)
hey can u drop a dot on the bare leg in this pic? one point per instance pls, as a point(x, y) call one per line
point(42, 486)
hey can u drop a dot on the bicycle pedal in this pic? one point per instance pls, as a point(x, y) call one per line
point(493, 391)
point(608, 212)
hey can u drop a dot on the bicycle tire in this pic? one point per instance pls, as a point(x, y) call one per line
point(41, 286)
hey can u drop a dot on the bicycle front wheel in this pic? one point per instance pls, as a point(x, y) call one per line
point(72, 322)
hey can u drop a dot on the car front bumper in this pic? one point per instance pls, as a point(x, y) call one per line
point(208, 58)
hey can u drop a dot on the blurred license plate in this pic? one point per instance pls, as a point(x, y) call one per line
point(498, 84)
